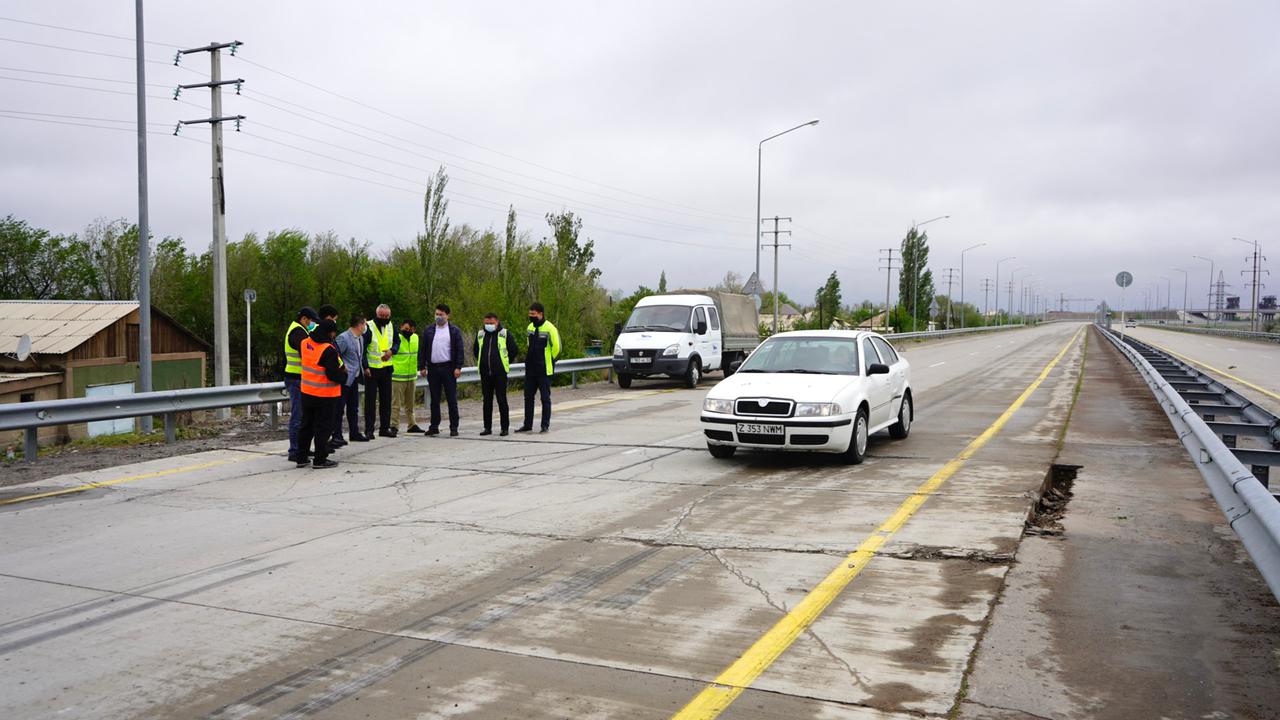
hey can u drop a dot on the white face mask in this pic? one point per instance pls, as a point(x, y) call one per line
point(490, 327)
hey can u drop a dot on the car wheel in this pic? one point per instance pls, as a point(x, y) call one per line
point(693, 375)
point(721, 452)
point(906, 414)
point(624, 381)
point(858, 439)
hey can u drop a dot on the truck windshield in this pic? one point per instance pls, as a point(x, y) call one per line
point(659, 318)
point(819, 355)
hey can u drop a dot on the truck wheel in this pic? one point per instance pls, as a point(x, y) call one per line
point(693, 375)
point(624, 381)
point(721, 452)
point(728, 361)
point(901, 429)
point(858, 439)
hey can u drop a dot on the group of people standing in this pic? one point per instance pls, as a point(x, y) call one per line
point(325, 370)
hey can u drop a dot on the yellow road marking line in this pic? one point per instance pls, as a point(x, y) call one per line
point(117, 481)
point(1213, 369)
point(716, 697)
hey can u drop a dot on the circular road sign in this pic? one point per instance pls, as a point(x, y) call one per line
point(1124, 279)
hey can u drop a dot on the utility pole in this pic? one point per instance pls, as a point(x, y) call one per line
point(886, 257)
point(144, 220)
point(221, 349)
point(1011, 301)
point(1255, 284)
point(950, 274)
point(776, 232)
point(987, 287)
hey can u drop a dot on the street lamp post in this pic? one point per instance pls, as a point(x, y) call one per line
point(1184, 293)
point(1168, 292)
point(1011, 274)
point(1011, 257)
point(1209, 301)
point(962, 252)
point(1022, 296)
point(759, 170)
point(915, 270)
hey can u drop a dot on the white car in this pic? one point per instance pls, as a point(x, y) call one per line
point(811, 390)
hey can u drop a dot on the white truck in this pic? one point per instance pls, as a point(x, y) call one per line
point(684, 335)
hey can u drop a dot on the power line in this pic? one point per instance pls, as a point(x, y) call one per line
point(81, 77)
point(77, 87)
point(84, 32)
point(130, 58)
point(77, 117)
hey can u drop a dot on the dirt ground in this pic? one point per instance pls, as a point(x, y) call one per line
point(242, 430)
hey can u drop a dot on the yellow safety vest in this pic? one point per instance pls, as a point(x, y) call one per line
point(502, 348)
point(553, 342)
point(381, 343)
point(405, 361)
point(292, 358)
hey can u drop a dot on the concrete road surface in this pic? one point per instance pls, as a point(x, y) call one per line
point(610, 569)
point(1250, 367)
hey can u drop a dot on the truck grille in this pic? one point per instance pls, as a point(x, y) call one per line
point(763, 406)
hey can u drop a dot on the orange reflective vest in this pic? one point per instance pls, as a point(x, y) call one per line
point(314, 381)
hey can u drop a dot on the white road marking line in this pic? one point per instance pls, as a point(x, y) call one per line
point(944, 362)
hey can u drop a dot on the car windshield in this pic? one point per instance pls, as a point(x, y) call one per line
point(665, 318)
point(819, 355)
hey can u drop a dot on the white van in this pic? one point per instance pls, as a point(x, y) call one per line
point(685, 335)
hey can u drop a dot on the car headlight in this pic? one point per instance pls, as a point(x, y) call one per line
point(718, 406)
point(817, 409)
point(671, 350)
point(618, 351)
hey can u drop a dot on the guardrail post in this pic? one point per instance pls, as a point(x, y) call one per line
point(30, 444)
point(275, 416)
point(170, 427)
point(573, 376)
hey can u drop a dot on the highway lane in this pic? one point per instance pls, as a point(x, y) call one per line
point(609, 569)
point(1239, 364)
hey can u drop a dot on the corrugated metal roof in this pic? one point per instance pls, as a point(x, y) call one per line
point(15, 377)
point(57, 327)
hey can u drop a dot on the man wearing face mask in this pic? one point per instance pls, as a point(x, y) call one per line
point(495, 350)
point(293, 337)
point(404, 371)
point(329, 312)
point(381, 343)
point(321, 378)
point(539, 366)
point(441, 361)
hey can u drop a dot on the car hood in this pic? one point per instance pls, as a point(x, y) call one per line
point(649, 340)
point(791, 386)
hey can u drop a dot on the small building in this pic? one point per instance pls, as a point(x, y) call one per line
point(787, 316)
point(90, 349)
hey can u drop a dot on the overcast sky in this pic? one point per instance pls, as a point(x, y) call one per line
point(1082, 137)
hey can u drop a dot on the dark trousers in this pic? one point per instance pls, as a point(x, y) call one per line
point(377, 389)
point(317, 425)
point(348, 404)
point(293, 383)
point(441, 379)
point(491, 385)
point(536, 381)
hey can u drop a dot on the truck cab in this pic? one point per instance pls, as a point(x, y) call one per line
point(684, 336)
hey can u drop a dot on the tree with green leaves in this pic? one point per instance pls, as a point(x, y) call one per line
point(113, 250)
point(39, 265)
point(915, 281)
point(827, 303)
point(662, 282)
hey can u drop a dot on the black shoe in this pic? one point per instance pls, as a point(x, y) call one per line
point(414, 429)
point(453, 433)
point(303, 462)
point(322, 464)
point(432, 431)
point(293, 457)
point(386, 433)
point(524, 428)
point(337, 443)
point(504, 432)
point(368, 435)
point(359, 438)
point(486, 431)
point(545, 430)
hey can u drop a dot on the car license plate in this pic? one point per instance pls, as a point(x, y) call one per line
point(641, 361)
point(757, 429)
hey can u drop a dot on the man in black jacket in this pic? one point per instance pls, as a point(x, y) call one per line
point(440, 358)
point(381, 342)
point(495, 350)
point(322, 380)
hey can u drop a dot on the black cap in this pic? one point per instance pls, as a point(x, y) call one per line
point(324, 328)
point(310, 312)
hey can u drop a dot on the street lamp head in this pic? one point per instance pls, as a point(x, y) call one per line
point(812, 122)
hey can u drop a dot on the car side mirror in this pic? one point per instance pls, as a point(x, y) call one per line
point(701, 329)
point(877, 369)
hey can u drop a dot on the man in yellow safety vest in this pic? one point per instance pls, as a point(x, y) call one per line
point(381, 343)
point(495, 350)
point(404, 374)
point(539, 366)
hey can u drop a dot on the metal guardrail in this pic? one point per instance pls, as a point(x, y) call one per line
point(1222, 332)
point(930, 334)
point(1251, 510)
point(168, 403)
